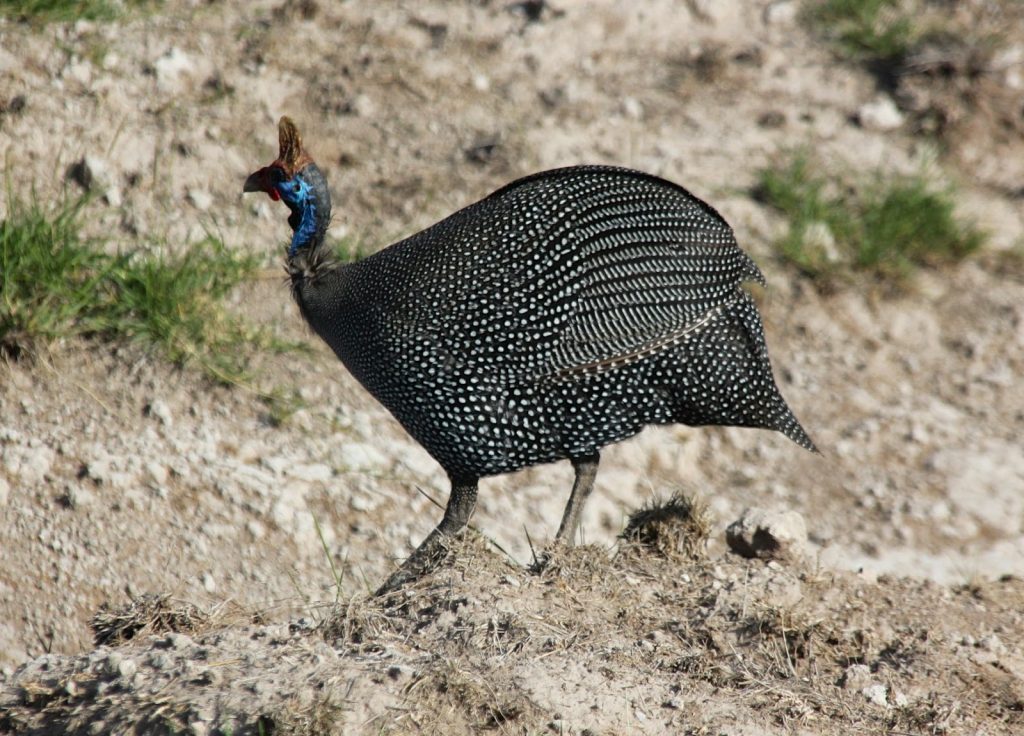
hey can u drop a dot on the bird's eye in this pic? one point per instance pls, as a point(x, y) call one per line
point(296, 187)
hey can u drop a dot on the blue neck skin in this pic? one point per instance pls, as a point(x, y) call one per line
point(299, 197)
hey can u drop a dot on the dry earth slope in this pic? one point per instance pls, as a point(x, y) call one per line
point(121, 476)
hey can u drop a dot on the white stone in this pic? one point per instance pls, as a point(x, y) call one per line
point(201, 199)
point(157, 472)
point(765, 534)
point(632, 108)
point(783, 13)
point(159, 410)
point(856, 677)
point(170, 67)
point(876, 693)
point(5, 491)
point(880, 114)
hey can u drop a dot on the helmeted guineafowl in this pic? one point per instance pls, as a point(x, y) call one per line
point(563, 312)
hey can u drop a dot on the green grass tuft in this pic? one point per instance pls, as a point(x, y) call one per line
point(67, 10)
point(883, 227)
point(54, 285)
point(872, 30)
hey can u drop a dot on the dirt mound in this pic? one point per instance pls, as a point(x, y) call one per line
point(601, 641)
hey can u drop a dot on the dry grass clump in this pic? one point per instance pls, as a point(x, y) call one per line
point(676, 528)
point(150, 613)
point(475, 696)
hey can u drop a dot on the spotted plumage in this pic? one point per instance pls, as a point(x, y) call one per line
point(562, 313)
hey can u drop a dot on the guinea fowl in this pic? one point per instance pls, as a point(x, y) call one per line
point(560, 314)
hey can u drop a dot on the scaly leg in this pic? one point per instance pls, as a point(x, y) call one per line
point(586, 471)
point(431, 551)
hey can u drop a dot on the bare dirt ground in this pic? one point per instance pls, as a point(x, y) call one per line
point(122, 477)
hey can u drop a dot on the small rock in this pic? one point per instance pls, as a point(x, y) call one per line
point(78, 496)
point(157, 472)
point(880, 114)
point(90, 172)
point(170, 67)
point(876, 693)
point(5, 492)
point(177, 640)
point(778, 535)
point(900, 699)
point(159, 410)
point(783, 13)
point(201, 199)
point(159, 661)
point(632, 108)
point(362, 106)
point(127, 668)
point(80, 71)
point(992, 643)
point(856, 677)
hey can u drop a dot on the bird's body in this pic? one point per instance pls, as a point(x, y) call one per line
point(564, 312)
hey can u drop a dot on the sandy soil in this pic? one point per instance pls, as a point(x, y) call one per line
point(121, 476)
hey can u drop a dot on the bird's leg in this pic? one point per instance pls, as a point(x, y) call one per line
point(431, 551)
point(586, 471)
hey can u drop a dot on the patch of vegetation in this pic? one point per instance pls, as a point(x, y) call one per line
point(885, 227)
point(879, 30)
point(55, 285)
point(67, 10)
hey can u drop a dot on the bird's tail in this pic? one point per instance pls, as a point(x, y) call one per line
point(729, 363)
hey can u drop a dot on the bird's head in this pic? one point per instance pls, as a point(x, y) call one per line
point(296, 180)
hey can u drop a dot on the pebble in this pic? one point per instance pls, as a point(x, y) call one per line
point(876, 693)
point(992, 643)
point(170, 67)
point(5, 491)
point(201, 199)
point(157, 472)
point(783, 13)
point(778, 535)
point(856, 677)
point(91, 172)
point(177, 640)
point(880, 114)
point(159, 410)
point(632, 108)
point(78, 496)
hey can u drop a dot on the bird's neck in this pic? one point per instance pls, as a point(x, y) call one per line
point(309, 221)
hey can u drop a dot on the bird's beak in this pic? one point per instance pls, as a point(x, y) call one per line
point(259, 181)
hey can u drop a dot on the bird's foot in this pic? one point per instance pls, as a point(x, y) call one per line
point(424, 560)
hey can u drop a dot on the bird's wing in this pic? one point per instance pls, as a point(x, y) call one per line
point(630, 265)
